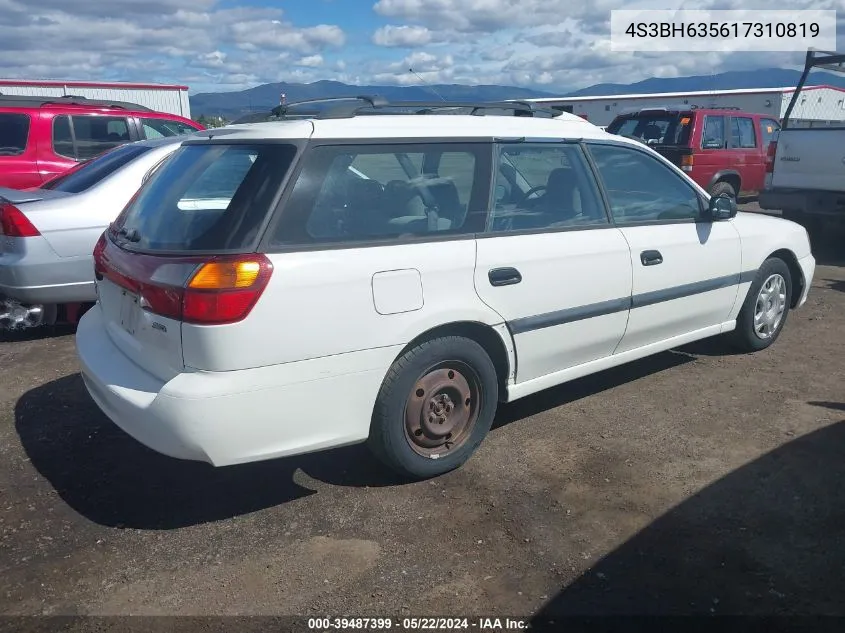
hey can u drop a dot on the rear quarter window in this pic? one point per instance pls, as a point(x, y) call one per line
point(14, 133)
point(206, 198)
point(654, 128)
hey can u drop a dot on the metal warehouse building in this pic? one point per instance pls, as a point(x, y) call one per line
point(160, 97)
point(817, 105)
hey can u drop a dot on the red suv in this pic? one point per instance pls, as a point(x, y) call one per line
point(41, 137)
point(722, 149)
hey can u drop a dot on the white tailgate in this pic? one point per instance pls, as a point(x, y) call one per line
point(810, 159)
point(152, 342)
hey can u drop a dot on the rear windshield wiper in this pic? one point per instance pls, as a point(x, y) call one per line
point(130, 235)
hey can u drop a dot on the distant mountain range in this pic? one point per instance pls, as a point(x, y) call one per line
point(264, 97)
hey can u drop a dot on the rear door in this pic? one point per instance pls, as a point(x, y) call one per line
point(550, 262)
point(744, 147)
point(18, 150)
point(686, 271)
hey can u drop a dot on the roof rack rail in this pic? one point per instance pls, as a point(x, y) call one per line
point(347, 107)
point(25, 101)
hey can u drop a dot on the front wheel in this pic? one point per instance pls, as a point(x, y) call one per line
point(766, 307)
point(434, 408)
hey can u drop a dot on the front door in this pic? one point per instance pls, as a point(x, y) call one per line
point(550, 262)
point(686, 271)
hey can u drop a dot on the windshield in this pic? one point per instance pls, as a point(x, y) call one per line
point(210, 197)
point(87, 174)
point(670, 128)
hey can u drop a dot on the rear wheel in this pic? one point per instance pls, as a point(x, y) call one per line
point(766, 307)
point(723, 188)
point(435, 407)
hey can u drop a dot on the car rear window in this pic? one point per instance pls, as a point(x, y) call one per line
point(669, 128)
point(93, 171)
point(14, 132)
point(206, 198)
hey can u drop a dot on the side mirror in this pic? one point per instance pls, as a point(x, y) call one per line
point(722, 208)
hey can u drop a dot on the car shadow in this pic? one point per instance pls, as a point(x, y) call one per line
point(835, 284)
point(110, 478)
point(587, 386)
point(765, 540)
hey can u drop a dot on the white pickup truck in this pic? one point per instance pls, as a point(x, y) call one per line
point(805, 177)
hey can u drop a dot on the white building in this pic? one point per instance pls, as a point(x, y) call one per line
point(160, 97)
point(816, 105)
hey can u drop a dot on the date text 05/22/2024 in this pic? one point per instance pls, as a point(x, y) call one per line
point(418, 624)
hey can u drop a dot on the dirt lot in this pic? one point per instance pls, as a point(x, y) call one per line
point(695, 481)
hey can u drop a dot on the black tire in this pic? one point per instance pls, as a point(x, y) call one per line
point(745, 337)
point(723, 188)
point(390, 433)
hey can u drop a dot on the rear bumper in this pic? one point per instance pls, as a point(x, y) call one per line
point(803, 201)
point(32, 272)
point(226, 418)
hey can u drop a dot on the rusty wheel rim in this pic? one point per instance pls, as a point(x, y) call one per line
point(442, 409)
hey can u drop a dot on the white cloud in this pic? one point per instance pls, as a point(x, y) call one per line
point(402, 36)
point(161, 40)
point(312, 61)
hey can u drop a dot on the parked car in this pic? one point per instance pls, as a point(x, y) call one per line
point(806, 165)
point(721, 149)
point(291, 286)
point(47, 235)
point(41, 137)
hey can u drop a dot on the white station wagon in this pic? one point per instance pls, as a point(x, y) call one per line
point(348, 273)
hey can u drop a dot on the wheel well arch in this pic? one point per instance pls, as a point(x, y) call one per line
point(795, 272)
point(729, 176)
point(482, 334)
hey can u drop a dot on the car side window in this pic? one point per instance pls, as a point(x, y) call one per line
point(158, 128)
point(768, 128)
point(742, 133)
point(544, 186)
point(62, 137)
point(349, 193)
point(14, 133)
point(713, 136)
point(96, 134)
point(641, 188)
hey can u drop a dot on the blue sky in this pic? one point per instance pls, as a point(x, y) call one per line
point(218, 45)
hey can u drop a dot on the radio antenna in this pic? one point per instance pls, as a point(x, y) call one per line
point(426, 84)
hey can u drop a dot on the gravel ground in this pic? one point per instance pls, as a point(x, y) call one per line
point(695, 481)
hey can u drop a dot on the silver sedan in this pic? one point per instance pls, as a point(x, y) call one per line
point(47, 235)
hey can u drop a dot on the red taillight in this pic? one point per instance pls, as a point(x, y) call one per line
point(13, 223)
point(224, 290)
point(99, 248)
point(771, 150)
point(200, 290)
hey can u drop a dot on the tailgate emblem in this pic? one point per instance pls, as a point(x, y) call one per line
point(158, 326)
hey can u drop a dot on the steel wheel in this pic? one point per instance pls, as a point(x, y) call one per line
point(770, 306)
point(442, 409)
